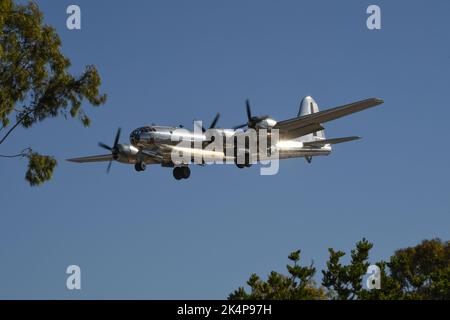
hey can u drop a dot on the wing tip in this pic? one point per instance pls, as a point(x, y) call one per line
point(378, 100)
point(352, 138)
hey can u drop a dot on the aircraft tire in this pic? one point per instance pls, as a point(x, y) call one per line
point(186, 172)
point(177, 173)
point(139, 166)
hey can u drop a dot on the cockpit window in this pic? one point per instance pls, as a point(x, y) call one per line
point(146, 129)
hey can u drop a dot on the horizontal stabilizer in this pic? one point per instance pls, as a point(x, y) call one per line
point(320, 143)
point(301, 131)
point(99, 158)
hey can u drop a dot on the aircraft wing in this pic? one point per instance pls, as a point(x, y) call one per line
point(99, 158)
point(310, 123)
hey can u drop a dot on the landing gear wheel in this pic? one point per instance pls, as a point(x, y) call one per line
point(246, 162)
point(181, 173)
point(177, 174)
point(236, 156)
point(186, 172)
point(139, 166)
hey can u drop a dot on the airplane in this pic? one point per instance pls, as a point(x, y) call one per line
point(301, 136)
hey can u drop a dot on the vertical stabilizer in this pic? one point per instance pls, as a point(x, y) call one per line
point(308, 106)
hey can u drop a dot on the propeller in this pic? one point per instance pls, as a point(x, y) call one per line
point(252, 121)
point(215, 120)
point(114, 149)
point(213, 123)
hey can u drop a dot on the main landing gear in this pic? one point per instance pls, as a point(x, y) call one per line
point(181, 172)
point(246, 161)
point(139, 166)
point(242, 165)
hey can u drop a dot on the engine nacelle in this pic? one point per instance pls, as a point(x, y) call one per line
point(266, 123)
point(126, 153)
point(128, 150)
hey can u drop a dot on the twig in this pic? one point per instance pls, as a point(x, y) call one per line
point(15, 126)
point(25, 152)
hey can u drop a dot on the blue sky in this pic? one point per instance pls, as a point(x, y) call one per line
point(145, 235)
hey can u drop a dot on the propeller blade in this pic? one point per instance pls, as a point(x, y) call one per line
point(116, 140)
point(214, 122)
point(240, 126)
point(252, 120)
point(109, 166)
point(104, 146)
point(249, 111)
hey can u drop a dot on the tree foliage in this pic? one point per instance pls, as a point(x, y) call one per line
point(298, 285)
point(35, 82)
point(345, 282)
point(40, 168)
point(420, 272)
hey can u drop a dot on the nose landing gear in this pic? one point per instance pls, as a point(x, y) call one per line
point(139, 166)
point(181, 172)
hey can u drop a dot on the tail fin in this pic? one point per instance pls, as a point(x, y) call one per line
point(308, 106)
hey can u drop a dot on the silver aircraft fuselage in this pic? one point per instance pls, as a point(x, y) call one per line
point(151, 137)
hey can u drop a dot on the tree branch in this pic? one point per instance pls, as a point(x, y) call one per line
point(15, 125)
point(10, 130)
point(25, 152)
